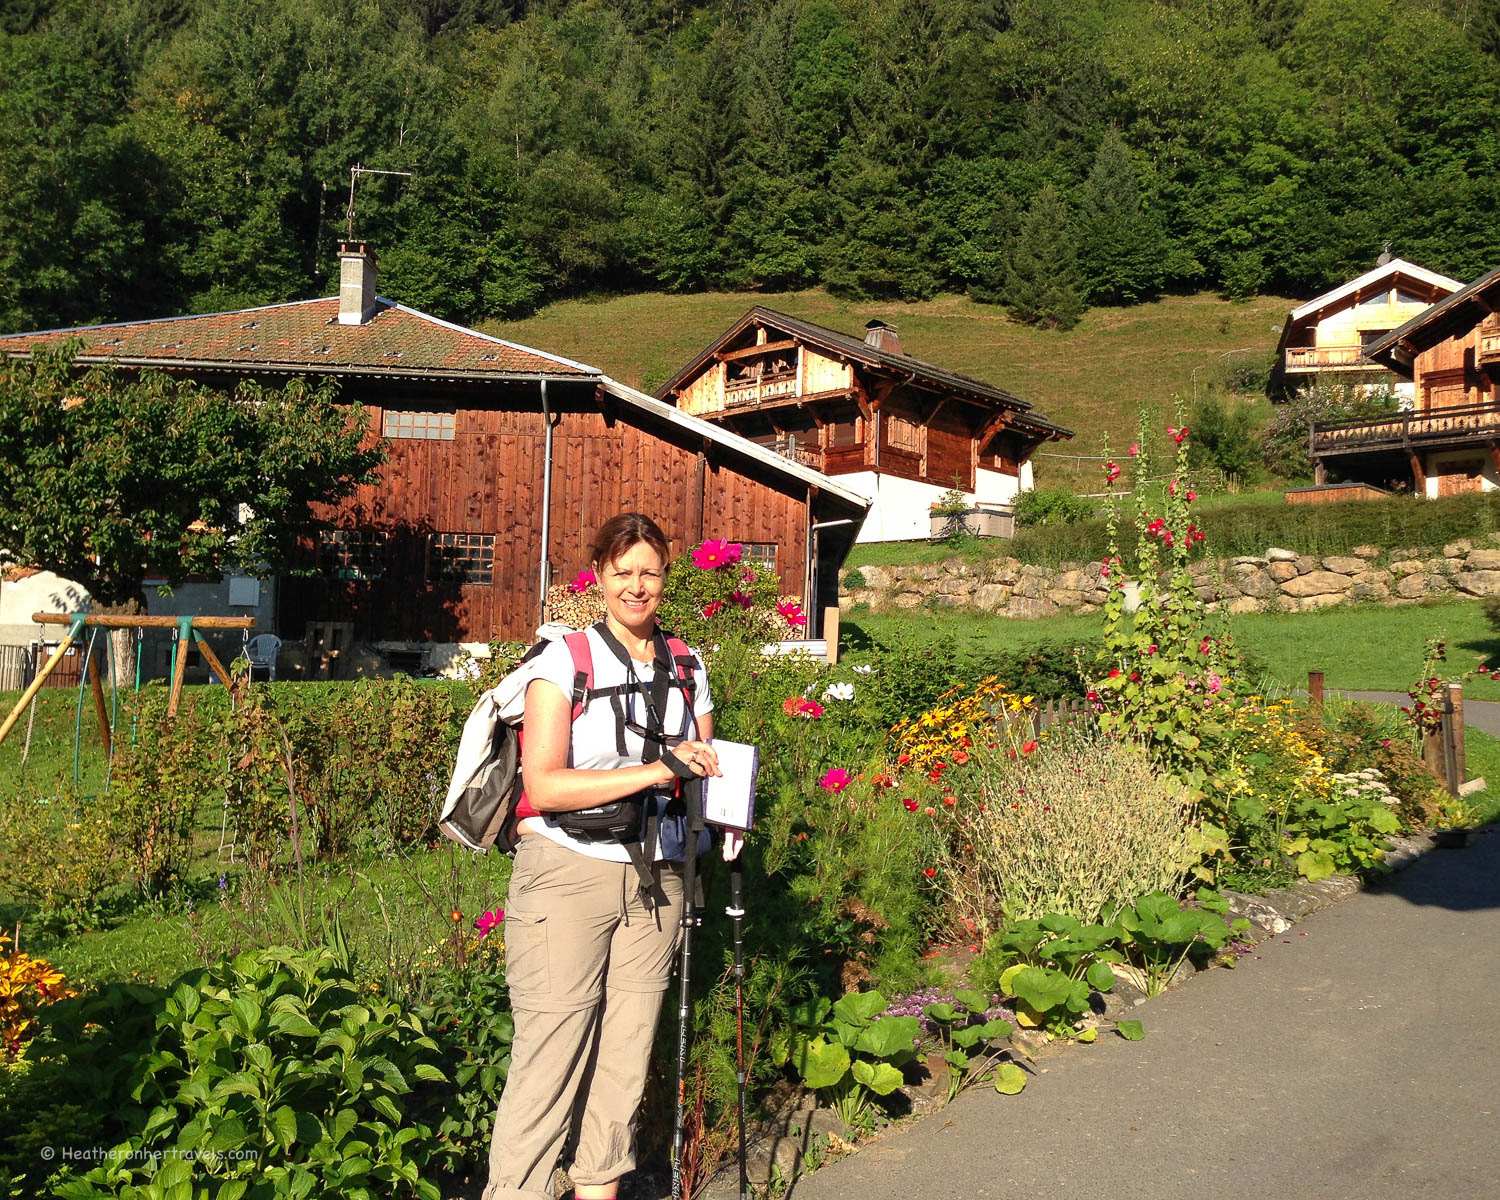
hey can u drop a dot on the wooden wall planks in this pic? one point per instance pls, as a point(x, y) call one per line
point(488, 480)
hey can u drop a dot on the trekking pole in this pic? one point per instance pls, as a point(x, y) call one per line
point(692, 794)
point(736, 913)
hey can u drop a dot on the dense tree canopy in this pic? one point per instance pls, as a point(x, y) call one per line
point(188, 155)
point(111, 478)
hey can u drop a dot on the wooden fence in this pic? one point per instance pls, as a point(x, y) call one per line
point(1055, 714)
point(18, 665)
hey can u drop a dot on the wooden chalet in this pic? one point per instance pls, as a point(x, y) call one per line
point(893, 428)
point(1331, 335)
point(1450, 441)
point(503, 460)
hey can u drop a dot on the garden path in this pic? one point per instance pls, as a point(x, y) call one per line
point(1354, 1056)
point(1483, 715)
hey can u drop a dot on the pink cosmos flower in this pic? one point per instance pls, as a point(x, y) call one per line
point(716, 553)
point(836, 780)
point(791, 612)
point(710, 610)
point(582, 582)
point(489, 920)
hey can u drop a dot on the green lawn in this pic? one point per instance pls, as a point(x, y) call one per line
point(1093, 379)
point(1364, 647)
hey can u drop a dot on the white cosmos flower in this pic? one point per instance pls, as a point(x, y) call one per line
point(839, 691)
point(864, 669)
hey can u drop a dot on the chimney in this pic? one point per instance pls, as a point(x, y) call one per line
point(356, 283)
point(883, 337)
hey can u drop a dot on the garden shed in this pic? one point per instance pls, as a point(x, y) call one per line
point(502, 461)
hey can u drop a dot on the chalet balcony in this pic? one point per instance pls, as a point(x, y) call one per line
point(1327, 358)
point(759, 390)
point(1421, 429)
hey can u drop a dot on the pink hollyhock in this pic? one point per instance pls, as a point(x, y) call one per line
point(489, 920)
point(1114, 672)
point(716, 553)
point(741, 599)
point(836, 780)
point(791, 612)
point(1192, 495)
point(1180, 435)
point(1172, 489)
point(1135, 448)
point(582, 582)
point(1111, 471)
point(710, 610)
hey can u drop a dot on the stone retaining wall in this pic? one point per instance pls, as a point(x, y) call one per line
point(1279, 580)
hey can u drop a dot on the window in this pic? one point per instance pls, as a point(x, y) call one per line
point(843, 432)
point(351, 553)
point(905, 434)
point(760, 555)
point(461, 557)
point(434, 426)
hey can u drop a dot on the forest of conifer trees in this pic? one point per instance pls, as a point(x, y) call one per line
point(169, 156)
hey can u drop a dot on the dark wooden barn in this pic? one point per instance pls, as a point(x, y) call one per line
point(502, 462)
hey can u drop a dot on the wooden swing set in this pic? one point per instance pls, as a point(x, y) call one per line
point(188, 630)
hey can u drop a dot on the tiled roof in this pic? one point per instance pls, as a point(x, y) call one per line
point(306, 335)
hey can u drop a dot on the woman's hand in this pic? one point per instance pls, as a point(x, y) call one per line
point(701, 758)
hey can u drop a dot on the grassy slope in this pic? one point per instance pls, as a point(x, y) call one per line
point(1092, 379)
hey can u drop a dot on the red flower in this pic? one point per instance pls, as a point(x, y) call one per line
point(1092, 696)
point(903, 759)
point(960, 757)
point(741, 599)
point(911, 805)
point(883, 781)
point(791, 612)
point(950, 800)
point(1111, 471)
point(1114, 672)
point(1028, 747)
point(710, 610)
point(929, 872)
point(1178, 434)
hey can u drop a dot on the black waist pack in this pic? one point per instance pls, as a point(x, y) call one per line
point(618, 822)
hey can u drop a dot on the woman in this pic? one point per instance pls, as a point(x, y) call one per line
point(589, 942)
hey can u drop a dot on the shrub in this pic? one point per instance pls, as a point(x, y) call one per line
point(270, 1070)
point(61, 855)
point(1080, 827)
point(26, 984)
point(853, 579)
point(1054, 506)
point(1225, 436)
point(1284, 442)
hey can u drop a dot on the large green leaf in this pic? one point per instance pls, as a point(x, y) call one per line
point(858, 1008)
point(1009, 1079)
point(1315, 866)
point(1041, 988)
point(975, 1002)
point(941, 1014)
point(284, 1125)
point(890, 1037)
point(880, 1078)
point(1131, 1031)
point(821, 1063)
point(1100, 977)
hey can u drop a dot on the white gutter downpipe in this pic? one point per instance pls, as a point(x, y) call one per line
point(812, 560)
point(542, 580)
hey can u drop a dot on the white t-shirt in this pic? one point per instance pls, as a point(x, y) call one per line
point(596, 734)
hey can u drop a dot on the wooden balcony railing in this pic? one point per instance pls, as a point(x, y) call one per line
point(1323, 358)
point(1479, 422)
point(769, 387)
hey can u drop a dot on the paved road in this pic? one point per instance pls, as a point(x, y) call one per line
point(1358, 1056)
point(1481, 714)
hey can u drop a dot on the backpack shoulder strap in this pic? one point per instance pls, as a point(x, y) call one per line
point(583, 669)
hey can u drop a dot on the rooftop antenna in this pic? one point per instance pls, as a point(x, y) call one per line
point(355, 172)
point(1385, 254)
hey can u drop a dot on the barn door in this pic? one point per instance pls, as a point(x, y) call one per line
point(1464, 475)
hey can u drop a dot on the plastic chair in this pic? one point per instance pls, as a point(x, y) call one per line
point(261, 651)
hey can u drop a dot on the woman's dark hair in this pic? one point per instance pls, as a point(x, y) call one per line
point(617, 535)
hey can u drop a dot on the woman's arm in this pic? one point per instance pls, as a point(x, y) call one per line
point(552, 786)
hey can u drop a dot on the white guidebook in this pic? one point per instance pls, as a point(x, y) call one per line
point(729, 799)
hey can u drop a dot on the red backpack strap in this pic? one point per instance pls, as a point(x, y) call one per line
point(686, 663)
point(583, 669)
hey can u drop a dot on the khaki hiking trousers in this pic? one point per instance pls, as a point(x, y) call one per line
point(588, 965)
